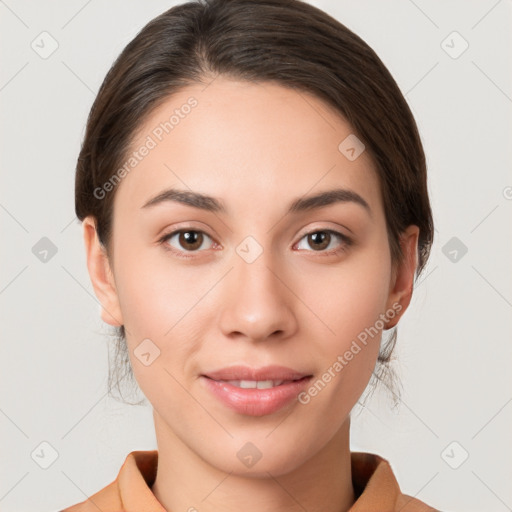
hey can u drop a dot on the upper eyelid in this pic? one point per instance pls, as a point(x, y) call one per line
point(325, 229)
point(311, 230)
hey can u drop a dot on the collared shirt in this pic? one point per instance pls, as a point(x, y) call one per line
point(375, 486)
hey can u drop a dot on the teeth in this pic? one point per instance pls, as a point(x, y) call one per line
point(255, 384)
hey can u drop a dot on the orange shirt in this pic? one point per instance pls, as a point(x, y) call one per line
point(375, 487)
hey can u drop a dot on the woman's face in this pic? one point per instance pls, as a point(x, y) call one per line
point(243, 284)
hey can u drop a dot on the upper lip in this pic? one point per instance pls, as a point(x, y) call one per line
point(273, 372)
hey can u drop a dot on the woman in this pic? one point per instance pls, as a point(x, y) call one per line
point(254, 200)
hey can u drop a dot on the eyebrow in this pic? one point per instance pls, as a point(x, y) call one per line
point(211, 204)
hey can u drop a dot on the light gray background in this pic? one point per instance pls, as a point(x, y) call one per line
point(454, 350)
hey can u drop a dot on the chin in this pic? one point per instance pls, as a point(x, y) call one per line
point(259, 458)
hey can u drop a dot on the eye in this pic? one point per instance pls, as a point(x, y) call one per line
point(192, 240)
point(187, 240)
point(322, 239)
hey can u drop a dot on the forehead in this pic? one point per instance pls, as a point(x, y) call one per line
point(241, 139)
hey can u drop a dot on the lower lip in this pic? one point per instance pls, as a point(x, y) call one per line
point(255, 402)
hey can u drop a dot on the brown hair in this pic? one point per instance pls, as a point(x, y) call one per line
point(288, 42)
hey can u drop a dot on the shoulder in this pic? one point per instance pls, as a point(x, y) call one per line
point(376, 487)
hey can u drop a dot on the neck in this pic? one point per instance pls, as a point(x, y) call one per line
point(185, 481)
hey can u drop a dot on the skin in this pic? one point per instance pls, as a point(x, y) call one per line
point(255, 147)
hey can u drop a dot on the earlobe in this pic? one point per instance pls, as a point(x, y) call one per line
point(403, 280)
point(101, 275)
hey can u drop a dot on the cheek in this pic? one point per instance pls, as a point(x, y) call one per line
point(351, 302)
point(346, 358)
point(160, 301)
point(349, 299)
point(155, 293)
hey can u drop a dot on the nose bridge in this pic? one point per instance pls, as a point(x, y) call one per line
point(257, 304)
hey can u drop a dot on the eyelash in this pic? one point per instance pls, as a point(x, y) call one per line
point(346, 242)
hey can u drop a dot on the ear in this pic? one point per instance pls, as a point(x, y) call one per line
point(402, 282)
point(101, 275)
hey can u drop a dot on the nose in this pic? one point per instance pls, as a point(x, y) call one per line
point(258, 303)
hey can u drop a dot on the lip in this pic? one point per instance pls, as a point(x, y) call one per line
point(273, 372)
point(253, 401)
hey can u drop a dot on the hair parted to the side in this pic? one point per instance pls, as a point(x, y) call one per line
point(287, 42)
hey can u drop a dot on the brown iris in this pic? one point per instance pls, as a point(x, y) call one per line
point(319, 237)
point(194, 239)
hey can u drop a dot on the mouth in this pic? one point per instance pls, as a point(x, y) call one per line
point(273, 373)
point(255, 392)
